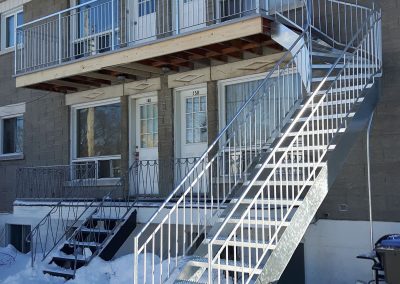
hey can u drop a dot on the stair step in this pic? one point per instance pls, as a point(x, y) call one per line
point(83, 244)
point(95, 230)
point(279, 183)
point(273, 201)
point(341, 66)
point(104, 218)
point(305, 148)
point(294, 165)
point(317, 79)
point(335, 102)
point(59, 272)
point(70, 257)
point(241, 243)
point(259, 221)
point(226, 266)
point(327, 117)
point(187, 282)
point(325, 131)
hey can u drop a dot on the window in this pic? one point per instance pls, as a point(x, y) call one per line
point(146, 7)
point(11, 131)
point(97, 132)
point(9, 22)
point(12, 135)
point(196, 119)
point(149, 125)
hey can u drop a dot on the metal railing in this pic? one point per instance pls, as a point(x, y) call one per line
point(323, 114)
point(100, 26)
point(75, 186)
point(201, 194)
point(55, 182)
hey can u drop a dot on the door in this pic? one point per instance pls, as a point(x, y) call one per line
point(143, 24)
point(192, 132)
point(192, 14)
point(146, 154)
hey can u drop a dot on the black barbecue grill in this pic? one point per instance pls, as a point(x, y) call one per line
point(386, 259)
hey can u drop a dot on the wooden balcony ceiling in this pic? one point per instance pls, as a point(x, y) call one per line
point(176, 54)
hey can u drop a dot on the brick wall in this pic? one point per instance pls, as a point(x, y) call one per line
point(46, 131)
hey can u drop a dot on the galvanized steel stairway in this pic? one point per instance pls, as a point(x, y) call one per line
point(242, 210)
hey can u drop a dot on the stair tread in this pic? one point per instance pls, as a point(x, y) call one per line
point(80, 243)
point(70, 257)
point(95, 230)
point(59, 271)
point(231, 265)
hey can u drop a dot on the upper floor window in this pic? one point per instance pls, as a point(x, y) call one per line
point(9, 22)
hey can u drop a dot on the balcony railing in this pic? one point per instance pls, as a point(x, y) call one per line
point(101, 26)
point(80, 181)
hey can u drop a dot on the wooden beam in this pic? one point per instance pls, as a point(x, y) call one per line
point(143, 67)
point(77, 86)
point(92, 80)
point(129, 71)
point(100, 76)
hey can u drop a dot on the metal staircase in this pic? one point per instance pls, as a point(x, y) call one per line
point(77, 230)
point(242, 210)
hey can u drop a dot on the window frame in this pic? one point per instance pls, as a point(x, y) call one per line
point(8, 112)
point(73, 134)
point(3, 38)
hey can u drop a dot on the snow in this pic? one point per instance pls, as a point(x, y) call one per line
point(118, 271)
point(15, 268)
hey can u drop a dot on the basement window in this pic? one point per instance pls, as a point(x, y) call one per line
point(17, 237)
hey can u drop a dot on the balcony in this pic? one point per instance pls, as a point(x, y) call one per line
point(92, 44)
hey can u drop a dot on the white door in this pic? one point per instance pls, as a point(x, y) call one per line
point(192, 14)
point(193, 112)
point(146, 152)
point(142, 24)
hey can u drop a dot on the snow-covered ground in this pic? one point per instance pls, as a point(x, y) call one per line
point(15, 268)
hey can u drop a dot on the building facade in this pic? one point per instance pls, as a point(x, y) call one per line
point(126, 96)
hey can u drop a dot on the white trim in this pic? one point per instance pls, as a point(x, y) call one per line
point(12, 110)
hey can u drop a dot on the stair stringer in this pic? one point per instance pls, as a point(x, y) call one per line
point(286, 37)
point(293, 235)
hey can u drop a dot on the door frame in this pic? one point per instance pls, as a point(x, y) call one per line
point(132, 122)
point(178, 116)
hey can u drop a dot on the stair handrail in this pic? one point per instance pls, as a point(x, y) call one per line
point(369, 24)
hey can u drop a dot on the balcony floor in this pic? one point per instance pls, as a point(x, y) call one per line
point(228, 42)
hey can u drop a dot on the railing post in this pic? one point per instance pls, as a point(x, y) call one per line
point(177, 14)
point(112, 25)
point(257, 6)
point(135, 262)
point(59, 39)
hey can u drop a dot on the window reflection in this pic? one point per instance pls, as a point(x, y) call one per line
point(99, 131)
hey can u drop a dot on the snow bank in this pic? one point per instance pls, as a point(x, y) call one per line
point(118, 271)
